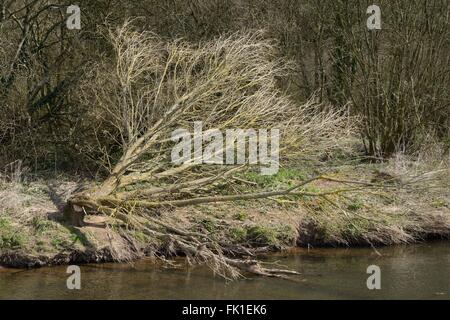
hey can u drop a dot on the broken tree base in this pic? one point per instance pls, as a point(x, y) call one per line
point(74, 214)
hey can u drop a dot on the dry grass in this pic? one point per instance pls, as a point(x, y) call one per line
point(30, 222)
point(412, 204)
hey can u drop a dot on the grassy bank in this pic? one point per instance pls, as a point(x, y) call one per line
point(403, 202)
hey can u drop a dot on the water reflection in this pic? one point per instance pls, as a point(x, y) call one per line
point(407, 272)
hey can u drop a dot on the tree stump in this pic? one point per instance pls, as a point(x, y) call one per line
point(74, 215)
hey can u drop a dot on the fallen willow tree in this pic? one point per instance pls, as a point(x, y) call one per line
point(151, 87)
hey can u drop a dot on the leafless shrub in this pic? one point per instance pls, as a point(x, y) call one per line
point(152, 87)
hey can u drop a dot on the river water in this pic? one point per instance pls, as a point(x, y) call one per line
point(419, 271)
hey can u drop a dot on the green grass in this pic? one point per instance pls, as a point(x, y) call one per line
point(78, 236)
point(241, 216)
point(238, 234)
point(208, 224)
point(61, 243)
point(274, 236)
point(42, 225)
point(283, 177)
point(355, 205)
point(9, 237)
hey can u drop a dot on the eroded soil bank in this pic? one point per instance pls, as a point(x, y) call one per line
point(33, 231)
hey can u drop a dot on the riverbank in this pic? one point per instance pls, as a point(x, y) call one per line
point(400, 203)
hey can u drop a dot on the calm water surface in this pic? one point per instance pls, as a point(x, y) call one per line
point(407, 272)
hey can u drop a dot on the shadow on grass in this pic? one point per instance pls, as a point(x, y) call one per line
point(58, 216)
